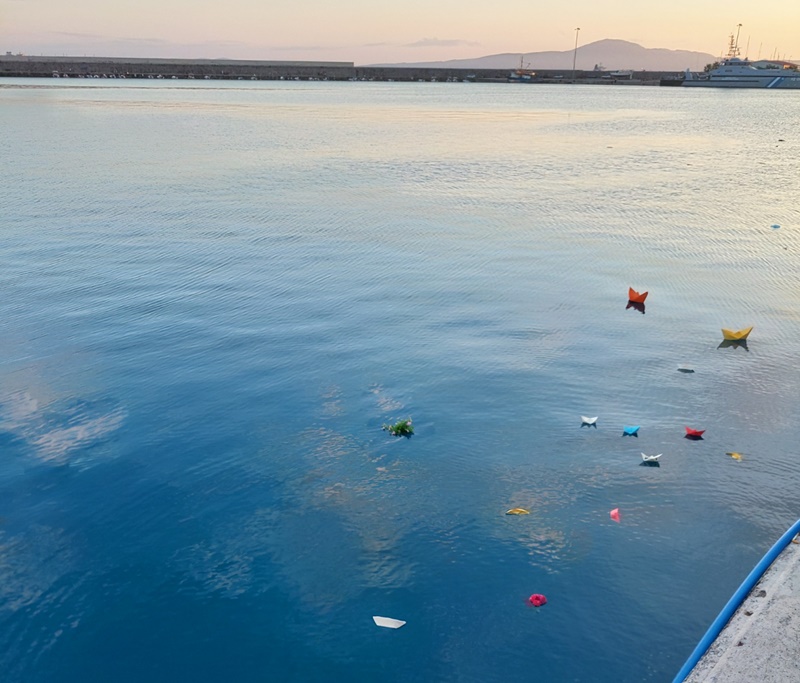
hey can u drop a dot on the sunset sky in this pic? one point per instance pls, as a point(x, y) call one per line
point(366, 31)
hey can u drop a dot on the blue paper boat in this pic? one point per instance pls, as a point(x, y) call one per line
point(630, 431)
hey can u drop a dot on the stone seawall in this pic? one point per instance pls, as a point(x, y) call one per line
point(101, 67)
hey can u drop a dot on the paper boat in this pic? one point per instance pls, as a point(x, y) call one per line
point(386, 622)
point(734, 455)
point(518, 511)
point(588, 420)
point(635, 297)
point(736, 335)
point(651, 458)
point(694, 433)
point(630, 431)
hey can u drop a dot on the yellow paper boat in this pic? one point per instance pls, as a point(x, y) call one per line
point(737, 335)
point(518, 511)
point(734, 455)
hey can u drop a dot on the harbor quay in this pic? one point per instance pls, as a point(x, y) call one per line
point(27, 66)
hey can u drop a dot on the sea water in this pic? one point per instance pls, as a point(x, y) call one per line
point(214, 295)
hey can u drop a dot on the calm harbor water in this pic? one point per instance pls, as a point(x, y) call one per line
point(214, 295)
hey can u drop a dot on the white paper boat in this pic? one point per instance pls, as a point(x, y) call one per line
point(588, 420)
point(386, 622)
point(651, 458)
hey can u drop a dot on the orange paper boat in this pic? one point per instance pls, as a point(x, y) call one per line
point(694, 432)
point(736, 335)
point(634, 296)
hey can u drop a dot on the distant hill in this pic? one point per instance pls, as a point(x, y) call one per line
point(610, 54)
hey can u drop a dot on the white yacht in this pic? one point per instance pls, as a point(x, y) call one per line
point(733, 72)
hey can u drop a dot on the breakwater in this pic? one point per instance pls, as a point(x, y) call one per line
point(223, 69)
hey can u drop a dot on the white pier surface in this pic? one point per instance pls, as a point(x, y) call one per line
point(761, 643)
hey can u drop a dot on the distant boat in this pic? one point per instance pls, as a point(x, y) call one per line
point(635, 296)
point(694, 433)
point(733, 72)
point(588, 420)
point(738, 335)
point(651, 458)
point(522, 74)
point(630, 431)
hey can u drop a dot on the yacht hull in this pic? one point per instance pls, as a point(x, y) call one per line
point(777, 83)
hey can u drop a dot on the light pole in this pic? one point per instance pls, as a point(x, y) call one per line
point(575, 54)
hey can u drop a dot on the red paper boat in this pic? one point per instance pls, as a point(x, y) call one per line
point(634, 296)
point(694, 432)
point(537, 600)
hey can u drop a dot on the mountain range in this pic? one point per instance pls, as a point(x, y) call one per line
point(605, 54)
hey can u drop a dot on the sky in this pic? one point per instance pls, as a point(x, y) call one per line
point(386, 31)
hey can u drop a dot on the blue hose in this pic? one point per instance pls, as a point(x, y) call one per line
point(736, 599)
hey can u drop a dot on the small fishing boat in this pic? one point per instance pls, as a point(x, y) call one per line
point(651, 458)
point(635, 296)
point(523, 74)
point(694, 433)
point(736, 335)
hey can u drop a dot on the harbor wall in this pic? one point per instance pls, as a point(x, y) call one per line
point(105, 67)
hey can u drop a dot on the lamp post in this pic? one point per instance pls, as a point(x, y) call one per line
point(575, 54)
